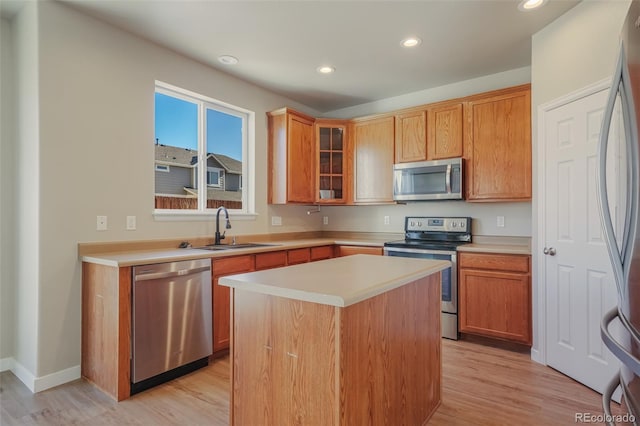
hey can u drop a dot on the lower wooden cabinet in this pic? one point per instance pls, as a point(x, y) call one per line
point(271, 259)
point(349, 250)
point(321, 252)
point(495, 295)
point(296, 256)
point(221, 296)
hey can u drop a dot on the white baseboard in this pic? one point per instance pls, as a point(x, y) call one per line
point(537, 357)
point(56, 379)
point(38, 384)
point(24, 375)
point(6, 364)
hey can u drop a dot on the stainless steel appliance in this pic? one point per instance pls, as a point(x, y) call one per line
point(436, 238)
point(171, 321)
point(428, 180)
point(624, 250)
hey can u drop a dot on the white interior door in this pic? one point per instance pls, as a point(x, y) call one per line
point(580, 287)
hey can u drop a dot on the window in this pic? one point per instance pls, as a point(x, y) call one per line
point(214, 176)
point(202, 151)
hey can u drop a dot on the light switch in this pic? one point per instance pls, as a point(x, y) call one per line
point(131, 223)
point(500, 222)
point(276, 221)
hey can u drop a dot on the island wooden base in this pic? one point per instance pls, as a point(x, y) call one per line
point(377, 362)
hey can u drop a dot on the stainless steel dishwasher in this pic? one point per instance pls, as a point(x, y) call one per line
point(171, 321)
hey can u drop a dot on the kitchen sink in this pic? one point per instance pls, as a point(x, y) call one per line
point(234, 246)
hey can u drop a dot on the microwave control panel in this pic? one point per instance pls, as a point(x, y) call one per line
point(438, 224)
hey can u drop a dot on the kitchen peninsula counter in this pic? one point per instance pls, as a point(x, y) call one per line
point(350, 340)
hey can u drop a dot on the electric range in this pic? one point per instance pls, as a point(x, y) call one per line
point(436, 238)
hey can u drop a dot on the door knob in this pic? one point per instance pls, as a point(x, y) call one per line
point(550, 251)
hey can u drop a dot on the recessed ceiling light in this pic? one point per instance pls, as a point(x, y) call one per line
point(526, 5)
point(325, 69)
point(410, 42)
point(228, 59)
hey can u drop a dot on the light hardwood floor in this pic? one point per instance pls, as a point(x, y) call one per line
point(482, 385)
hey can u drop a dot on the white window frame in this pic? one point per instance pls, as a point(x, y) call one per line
point(215, 170)
point(248, 153)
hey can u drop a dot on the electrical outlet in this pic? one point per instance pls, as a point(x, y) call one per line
point(500, 222)
point(386, 220)
point(276, 221)
point(101, 223)
point(325, 220)
point(131, 223)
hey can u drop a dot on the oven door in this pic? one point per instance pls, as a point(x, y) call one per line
point(449, 278)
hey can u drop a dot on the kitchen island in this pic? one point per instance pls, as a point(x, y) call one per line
point(344, 341)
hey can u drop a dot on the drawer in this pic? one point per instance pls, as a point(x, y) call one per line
point(232, 265)
point(499, 262)
point(295, 256)
point(272, 259)
point(349, 250)
point(322, 252)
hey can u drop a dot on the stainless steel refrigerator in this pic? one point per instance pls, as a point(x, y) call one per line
point(624, 248)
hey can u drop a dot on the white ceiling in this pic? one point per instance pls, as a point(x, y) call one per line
point(281, 43)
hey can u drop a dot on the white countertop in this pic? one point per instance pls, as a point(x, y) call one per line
point(149, 256)
point(144, 257)
point(341, 281)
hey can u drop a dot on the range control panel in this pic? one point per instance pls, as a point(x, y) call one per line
point(438, 224)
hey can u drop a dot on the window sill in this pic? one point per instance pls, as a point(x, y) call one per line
point(176, 215)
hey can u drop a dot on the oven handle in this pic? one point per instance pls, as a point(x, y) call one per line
point(387, 250)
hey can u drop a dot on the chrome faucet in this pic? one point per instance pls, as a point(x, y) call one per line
point(219, 237)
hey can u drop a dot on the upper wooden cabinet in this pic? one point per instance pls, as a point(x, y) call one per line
point(332, 175)
point(431, 133)
point(445, 125)
point(373, 152)
point(498, 145)
point(292, 158)
point(411, 137)
point(351, 161)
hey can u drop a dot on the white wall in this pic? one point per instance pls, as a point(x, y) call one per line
point(576, 50)
point(82, 153)
point(26, 245)
point(371, 218)
point(7, 196)
point(459, 89)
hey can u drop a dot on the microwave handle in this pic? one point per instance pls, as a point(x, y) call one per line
point(447, 179)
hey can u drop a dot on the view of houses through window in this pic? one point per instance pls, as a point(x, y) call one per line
point(186, 126)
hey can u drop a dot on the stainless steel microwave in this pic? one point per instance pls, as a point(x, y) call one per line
point(428, 180)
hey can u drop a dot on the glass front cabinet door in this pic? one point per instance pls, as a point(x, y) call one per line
point(331, 140)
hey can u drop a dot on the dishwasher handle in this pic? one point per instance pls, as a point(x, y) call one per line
point(148, 275)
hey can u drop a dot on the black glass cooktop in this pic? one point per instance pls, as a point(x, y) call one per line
point(426, 245)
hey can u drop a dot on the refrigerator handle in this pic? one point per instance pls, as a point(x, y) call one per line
point(631, 140)
point(606, 399)
point(603, 197)
point(616, 348)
